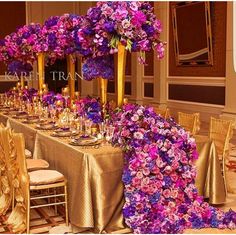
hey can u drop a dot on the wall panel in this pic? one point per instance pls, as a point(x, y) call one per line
point(12, 16)
point(218, 23)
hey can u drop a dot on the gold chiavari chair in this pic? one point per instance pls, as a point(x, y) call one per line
point(6, 191)
point(190, 122)
point(165, 113)
point(221, 131)
point(33, 164)
point(25, 183)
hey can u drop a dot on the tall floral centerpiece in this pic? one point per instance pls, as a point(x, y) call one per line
point(27, 39)
point(58, 33)
point(120, 26)
point(67, 23)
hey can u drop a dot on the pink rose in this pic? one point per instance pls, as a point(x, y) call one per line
point(166, 193)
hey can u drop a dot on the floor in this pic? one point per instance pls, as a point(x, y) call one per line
point(42, 220)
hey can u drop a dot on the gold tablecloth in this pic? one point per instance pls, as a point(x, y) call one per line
point(94, 181)
point(28, 130)
point(209, 181)
point(3, 119)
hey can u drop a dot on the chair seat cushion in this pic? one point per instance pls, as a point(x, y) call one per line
point(28, 154)
point(36, 164)
point(42, 177)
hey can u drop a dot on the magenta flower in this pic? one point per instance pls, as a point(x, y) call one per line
point(138, 18)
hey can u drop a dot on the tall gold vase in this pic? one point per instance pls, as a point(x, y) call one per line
point(41, 70)
point(121, 62)
point(103, 90)
point(71, 75)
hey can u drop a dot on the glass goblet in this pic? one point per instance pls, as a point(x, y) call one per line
point(109, 132)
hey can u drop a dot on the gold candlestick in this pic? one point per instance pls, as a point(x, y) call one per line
point(121, 61)
point(77, 94)
point(22, 82)
point(126, 101)
point(41, 64)
point(71, 75)
point(103, 90)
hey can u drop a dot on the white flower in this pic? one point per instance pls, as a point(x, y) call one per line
point(135, 118)
point(138, 135)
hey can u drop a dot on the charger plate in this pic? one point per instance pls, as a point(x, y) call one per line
point(47, 126)
point(64, 133)
point(84, 141)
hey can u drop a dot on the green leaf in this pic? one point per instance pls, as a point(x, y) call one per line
point(129, 45)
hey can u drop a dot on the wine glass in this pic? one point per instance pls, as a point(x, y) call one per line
point(53, 113)
point(88, 124)
point(109, 132)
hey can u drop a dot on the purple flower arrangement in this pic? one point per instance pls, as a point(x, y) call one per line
point(51, 99)
point(133, 24)
point(19, 68)
point(28, 94)
point(98, 67)
point(159, 175)
point(90, 108)
point(24, 94)
point(57, 31)
point(22, 42)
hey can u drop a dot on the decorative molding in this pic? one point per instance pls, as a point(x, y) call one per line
point(196, 104)
point(203, 81)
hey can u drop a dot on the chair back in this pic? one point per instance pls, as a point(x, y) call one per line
point(190, 122)
point(14, 147)
point(6, 187)
point(221, 131)
point(165, 113)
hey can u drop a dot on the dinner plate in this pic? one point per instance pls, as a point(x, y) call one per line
point(20, 115)
point(47, 126)
point(63, 133)
point(84, 141)
point(4, 108)
point(31, 119)
point(11, 113)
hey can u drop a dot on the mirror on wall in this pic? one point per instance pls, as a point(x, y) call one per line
point(192, 33)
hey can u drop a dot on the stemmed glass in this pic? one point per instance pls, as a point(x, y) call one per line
point(88, 124)
point(53, 112)
point(109, 132)
point(102, 130)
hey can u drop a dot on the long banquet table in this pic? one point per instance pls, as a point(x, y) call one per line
point(94, 176)
point(95, 189)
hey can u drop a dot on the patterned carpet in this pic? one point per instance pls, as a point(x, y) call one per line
point(42, 220)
